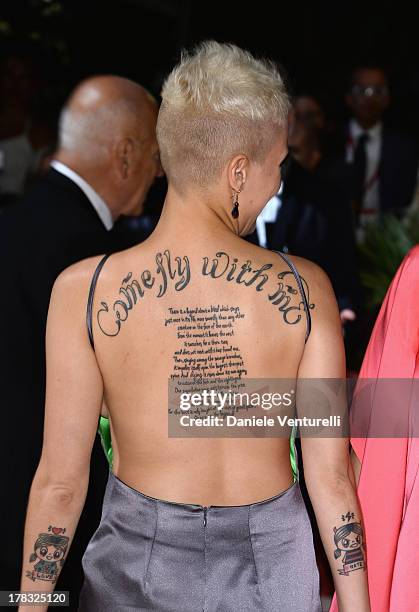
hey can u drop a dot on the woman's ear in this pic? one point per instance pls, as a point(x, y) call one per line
point(123, 157)
point(237, 172)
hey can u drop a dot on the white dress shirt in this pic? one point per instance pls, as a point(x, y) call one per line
point(373, 152)
point(94, 198)
point(370, 203)
point(268, 215)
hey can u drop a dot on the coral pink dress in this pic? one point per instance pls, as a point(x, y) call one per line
point(388, 487)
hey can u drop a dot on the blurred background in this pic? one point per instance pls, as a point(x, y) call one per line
point(317, 43)
point(351, 206)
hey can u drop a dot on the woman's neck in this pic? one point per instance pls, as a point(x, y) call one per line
point(191, 215)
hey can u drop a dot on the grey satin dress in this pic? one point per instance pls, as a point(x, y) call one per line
point(151, 554)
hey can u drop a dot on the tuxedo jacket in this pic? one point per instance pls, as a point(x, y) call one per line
point(398, 168)
point(54, 226)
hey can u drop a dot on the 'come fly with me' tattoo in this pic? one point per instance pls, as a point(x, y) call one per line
point(349, 545)
point(48, 557)
point(176, 272)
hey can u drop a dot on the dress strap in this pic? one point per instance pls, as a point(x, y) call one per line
point(89, 311)
point(302, 291)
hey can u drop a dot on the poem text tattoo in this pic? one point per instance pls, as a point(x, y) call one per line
point(49, 552)
point(207, 348)
point(207, 353)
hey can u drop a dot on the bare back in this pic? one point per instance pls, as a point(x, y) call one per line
point(156, 307)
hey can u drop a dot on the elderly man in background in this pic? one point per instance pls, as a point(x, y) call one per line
point(384, 162)
point(106, 161)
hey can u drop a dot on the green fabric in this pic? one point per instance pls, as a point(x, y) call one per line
point(105, 435)
point(104, 431)
point(293, 454)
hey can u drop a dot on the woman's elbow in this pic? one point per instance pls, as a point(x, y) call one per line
point(64, 488)
point(333, 478)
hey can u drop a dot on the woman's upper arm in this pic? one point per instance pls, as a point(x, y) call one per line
point(321, 390)
point(74, 387)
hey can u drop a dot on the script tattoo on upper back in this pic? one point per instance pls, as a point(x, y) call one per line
point(132, 290)
point(224, 266)
point(177, 272)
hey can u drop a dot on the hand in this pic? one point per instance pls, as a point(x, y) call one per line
point(347, 314)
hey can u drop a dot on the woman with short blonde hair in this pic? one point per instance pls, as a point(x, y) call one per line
point(203, 509)
point(216, 104)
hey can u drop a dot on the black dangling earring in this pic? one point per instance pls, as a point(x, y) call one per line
point(235, 209)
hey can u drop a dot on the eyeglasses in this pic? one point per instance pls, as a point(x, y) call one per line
point(369, 91)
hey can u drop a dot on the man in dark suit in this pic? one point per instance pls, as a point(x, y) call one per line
point(384, 162)
point(312, 215)
point(106, 161)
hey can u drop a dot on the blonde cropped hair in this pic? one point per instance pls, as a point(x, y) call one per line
point(219, 101)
